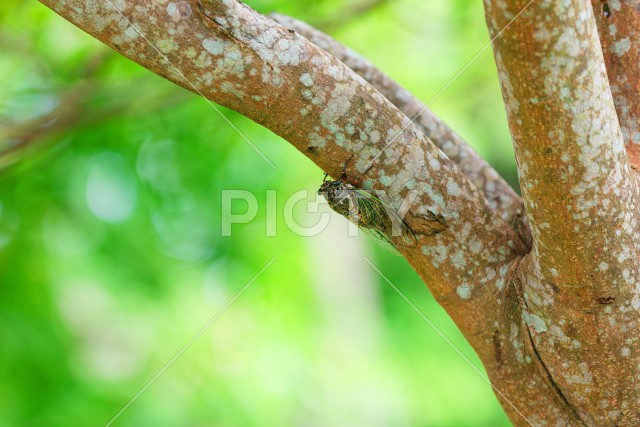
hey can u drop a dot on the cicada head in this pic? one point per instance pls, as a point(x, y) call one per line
point(338, 195)
point(334, 189)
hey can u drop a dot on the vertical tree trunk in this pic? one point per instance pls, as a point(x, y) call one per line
point(578, 283)
point(619, 29)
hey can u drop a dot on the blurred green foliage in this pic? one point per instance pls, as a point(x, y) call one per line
point(111, 257)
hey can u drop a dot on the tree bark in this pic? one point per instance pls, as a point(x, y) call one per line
point(500, 196)
point(555, 328)
point(619, 29)
point(580, 297)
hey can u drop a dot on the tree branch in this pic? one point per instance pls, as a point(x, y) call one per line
point(498, 193)
point(579, 294)
point(619, 29)
point(79, 106)
point(230, 54)
point(346, 16)
point(245, 61)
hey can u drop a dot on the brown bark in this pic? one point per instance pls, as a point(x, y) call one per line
point(578, 284)
point(491, 185)
point(555, 329)
point(619, 28)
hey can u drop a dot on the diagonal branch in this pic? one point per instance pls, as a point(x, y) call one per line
point(346, 16)
point(247, 62)
point(579, 293)
point(619, 29)
point(234, 56)
point(79, 106)
point(498, 193)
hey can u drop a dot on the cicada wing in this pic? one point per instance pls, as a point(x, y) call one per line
point(381, 239)
point(370, 209)
point(399, 230)
point(406, 236)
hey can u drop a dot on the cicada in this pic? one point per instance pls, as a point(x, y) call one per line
point(368, 212)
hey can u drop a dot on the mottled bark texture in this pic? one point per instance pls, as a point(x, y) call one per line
point(619, 28)
point(579, 283)
point(493, 187)
point(555, 329)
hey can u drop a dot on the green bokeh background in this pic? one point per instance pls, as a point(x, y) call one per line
point(111, 256)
